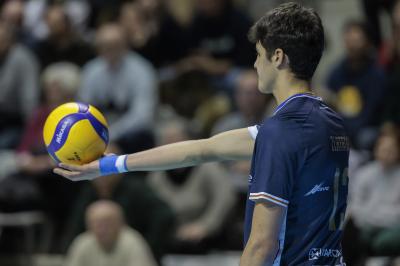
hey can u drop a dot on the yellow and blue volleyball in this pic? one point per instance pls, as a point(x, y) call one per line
point(75, 133)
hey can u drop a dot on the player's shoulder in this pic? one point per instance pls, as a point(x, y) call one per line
point(283, 132)
point(279, 125)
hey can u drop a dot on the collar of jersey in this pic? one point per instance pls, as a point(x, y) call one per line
point(298, 95)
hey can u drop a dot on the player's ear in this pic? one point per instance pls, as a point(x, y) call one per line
point(280, 59)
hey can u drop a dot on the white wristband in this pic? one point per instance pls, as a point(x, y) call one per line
point(120, 164)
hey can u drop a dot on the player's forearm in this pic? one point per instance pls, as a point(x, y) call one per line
point(259, 254)
point(231, 145)
point(176, 155)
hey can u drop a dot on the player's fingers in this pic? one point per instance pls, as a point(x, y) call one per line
point(70, 167)
point(73, 176)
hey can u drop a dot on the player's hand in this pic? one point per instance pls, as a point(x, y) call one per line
point(78, 172)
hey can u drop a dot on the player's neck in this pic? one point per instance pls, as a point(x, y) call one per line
point(287, 86)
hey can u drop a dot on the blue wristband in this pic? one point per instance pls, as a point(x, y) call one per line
point(113, 164)
point(107, 165)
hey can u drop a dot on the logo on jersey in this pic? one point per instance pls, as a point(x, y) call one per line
point(316, 253)
point(316, 189)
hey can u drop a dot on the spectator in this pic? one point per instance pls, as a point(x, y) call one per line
point(102, 12)
point(108, 240)
point(62, 42)
point(202, 197)
point(392, 60)
point(12, 14)
point(253, 106)
point(60, 82)
point(374, 228)
point(123, 85)
point(358, 84)
point(143, 209)
point(219, 32)
point(218, 42)
point(152, 32)
point(27, 181)
point(389, 53)
point(34, 18)
point(372, 10)
point(18, 96)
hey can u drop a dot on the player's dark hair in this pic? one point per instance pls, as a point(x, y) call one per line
point(298, 31)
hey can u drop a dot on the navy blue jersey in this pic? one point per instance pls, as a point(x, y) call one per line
point(300, 162)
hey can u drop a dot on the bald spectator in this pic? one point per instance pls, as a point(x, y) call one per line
point(18, 96)
point(144, 210)
point(252, 108)
point(108, 240)
point(123, 85)
point(62, 42)
point(252, 105)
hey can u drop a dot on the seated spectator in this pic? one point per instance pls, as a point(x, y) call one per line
point(143, 209)
point(202, 196)
point(152, 32)
point(374, 226)
point(392, 60)
point(358, 83)
point(62, 42)
point(77, 12)
point(373, 10)
point(252, 108)
point(60, 82)
point(27, 181)
point(389, 52)
point(18, 96)
point(123, 86)
point(218, 42)
point(108, 240)
point(12, 14)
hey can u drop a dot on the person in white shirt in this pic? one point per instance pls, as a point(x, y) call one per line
point(374, 226)
point(108, 240)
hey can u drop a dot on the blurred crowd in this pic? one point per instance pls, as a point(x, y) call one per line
point(163, 71)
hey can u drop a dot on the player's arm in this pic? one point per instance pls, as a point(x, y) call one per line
point(231, 145)
point(263, 244)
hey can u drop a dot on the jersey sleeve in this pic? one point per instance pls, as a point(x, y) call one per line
point(253, 131)
point(275, 163)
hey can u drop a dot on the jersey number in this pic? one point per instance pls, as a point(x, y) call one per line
point(341, 179)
